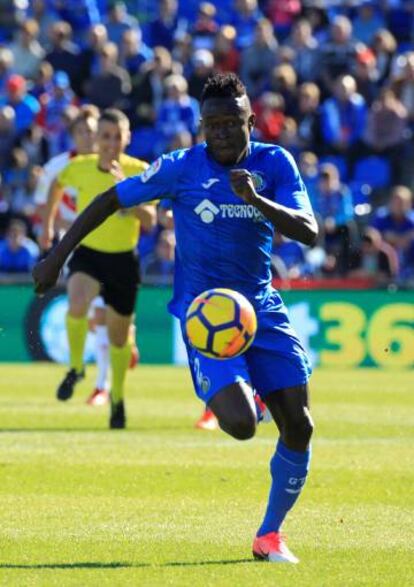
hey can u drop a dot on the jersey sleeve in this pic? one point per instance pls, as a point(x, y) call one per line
point(290, 191)
point(50, 172)
point(43, 188)
point(65, 176)
point(156, 182)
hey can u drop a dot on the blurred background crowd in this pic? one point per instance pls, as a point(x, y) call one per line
point(332, 81)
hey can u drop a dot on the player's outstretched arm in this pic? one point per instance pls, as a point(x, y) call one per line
point(46, 273)
point(54, 196)
point(295, 224)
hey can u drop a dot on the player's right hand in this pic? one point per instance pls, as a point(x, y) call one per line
point(45, 275)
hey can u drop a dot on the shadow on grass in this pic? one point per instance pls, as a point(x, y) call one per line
point(123, 565)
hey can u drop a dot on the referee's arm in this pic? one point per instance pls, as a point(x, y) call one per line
point(54, 197)
point(46, 272)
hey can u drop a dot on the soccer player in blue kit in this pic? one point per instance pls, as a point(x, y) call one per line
point(228, 196)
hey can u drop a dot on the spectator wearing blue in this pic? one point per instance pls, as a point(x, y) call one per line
point(54, 108)
point(80, 14)
point(45, 16)
point(343, 118)
point(305, 51)
point(205, 27)
point(178, 111)
point(16, 177)
point(162, 30)
point(63, 54)
point(25, 106)
point(158, 267)
point(245, 19)
point(288, 258)
point(118, 21)
point(396, 221)
point(367, 22)
point(26, 49)
point(308, 165)
point(17, 255)
point(133, 52)
point(259, 58)
point(334, 209)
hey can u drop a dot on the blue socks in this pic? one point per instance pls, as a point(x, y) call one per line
point(289, 469)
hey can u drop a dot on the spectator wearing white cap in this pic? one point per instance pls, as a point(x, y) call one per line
point(203, 67)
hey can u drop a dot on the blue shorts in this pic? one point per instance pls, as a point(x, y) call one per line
point(276, 359)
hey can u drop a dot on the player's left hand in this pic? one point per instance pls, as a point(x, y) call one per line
point(241, 182)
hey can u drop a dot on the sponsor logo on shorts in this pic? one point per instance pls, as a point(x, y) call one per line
point(203, 382)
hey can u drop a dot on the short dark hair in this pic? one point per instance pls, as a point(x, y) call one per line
point(115, 116)
point(223, 85)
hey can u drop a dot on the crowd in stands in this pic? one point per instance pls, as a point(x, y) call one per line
point(331, 81)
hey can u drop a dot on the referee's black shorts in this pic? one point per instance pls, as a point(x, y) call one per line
point(117, 273)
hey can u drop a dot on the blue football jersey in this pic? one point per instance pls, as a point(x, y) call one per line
point(221, 240)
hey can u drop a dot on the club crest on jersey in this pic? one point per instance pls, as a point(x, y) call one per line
point(151, 170)
point(259, 180)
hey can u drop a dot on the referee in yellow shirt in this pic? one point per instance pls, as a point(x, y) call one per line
point(105, 262)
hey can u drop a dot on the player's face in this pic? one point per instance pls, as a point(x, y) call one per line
point(84, 136)
point(113, 138)
point(227, 124)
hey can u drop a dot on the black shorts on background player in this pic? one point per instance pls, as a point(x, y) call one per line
point(117, 273)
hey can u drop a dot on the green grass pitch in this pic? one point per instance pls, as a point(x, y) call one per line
point(164, 504)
